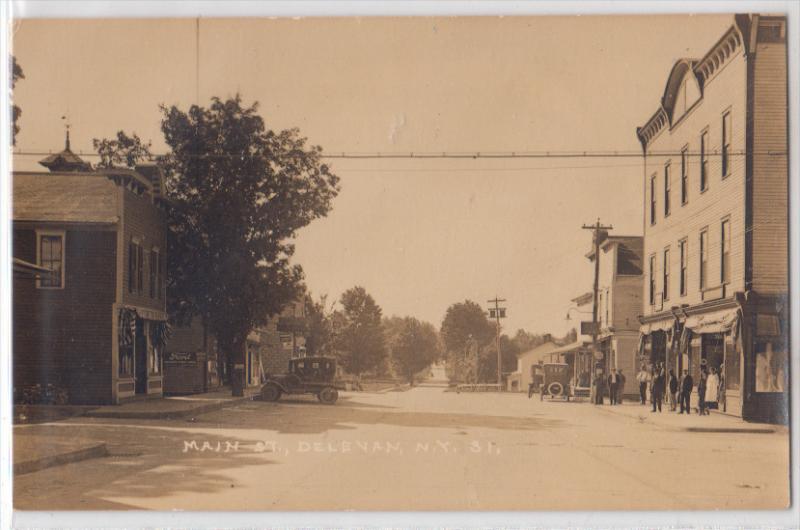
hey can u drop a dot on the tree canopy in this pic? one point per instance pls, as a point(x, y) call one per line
point(360, 338)
point(16, 111)
point(123, 151)
point(238, 192)
point(414, 346)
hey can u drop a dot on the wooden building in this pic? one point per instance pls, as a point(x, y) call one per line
point(619, 303)
point(716, 218)
point(95, 327)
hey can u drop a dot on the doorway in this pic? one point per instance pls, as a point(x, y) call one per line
point(140, 354)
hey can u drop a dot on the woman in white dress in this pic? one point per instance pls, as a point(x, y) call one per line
point(712, 389)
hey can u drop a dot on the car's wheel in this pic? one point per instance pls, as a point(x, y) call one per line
point(328, 395)
point(555, 388)
point(270, 392)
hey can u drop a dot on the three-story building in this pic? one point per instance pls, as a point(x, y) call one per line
point(716, 219)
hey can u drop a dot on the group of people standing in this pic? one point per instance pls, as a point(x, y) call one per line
point(613, 384)
point(678, 391)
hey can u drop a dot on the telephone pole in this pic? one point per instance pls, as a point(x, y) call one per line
point(596, 228)
point(497, 312)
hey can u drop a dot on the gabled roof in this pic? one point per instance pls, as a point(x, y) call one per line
point(578, 345)
point(64, 197)
point(544, 347)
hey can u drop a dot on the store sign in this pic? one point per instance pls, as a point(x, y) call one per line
point(588, 328)
point(181, 357)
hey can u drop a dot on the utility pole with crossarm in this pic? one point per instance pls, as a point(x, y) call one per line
point(497, 313)
point(596, 228)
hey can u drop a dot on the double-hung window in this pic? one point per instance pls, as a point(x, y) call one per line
point(51, 256)
point(704, 161)
point(703, 258)
point(653, 200)
point(685, 175)
point(684, 262)
point(726, 144)
point(652, 294)
point(135, 267)
point(155, 273)
point(725, 262)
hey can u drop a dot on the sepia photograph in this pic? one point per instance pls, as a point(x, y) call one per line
point(402, 263)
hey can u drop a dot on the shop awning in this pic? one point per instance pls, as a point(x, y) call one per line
point(659, 325)
point(716, 322)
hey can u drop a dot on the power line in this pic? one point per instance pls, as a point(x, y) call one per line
point(465, 155)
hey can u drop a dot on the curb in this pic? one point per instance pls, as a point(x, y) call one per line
point(754, 430)
point(168, 414)
point(29, 466)
point(729, 430)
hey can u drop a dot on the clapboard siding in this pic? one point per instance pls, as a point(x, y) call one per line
point(627, 302)
point(724, 198)
point(144, 221)
point(63, 336)
point(770, 172)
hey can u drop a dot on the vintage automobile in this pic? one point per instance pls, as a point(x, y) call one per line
point(306, 375)
point(555, 382)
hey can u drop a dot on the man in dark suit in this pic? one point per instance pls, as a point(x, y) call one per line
point(687, 383)
point(613, 383)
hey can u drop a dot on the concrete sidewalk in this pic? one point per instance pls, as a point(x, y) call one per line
point(172, 407)
point(715, 422)
point(33, 452)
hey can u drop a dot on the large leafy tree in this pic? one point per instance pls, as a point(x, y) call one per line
point(239, 192)
point(414, 347)
point(16, 112)
point(360, 338)
point(464, 330)
point(487, 364)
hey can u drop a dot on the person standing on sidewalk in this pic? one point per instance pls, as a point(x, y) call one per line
point(658, 387)
point(642, 377)
point(701, 392)
point(597, 387)
point(613, 381)
point(620, 386)
point(712, 390)
point(687, 385)
point(673, 391)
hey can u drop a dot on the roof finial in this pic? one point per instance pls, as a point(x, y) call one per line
point(66, 126)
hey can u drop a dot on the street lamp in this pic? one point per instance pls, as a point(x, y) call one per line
point(576, 310)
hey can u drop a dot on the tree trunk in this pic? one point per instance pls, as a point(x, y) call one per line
point(235, 348)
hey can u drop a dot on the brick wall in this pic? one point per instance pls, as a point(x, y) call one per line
point(64, 336)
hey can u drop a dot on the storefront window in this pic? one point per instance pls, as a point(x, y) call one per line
point(155, 359)
point(732, 362)
point(126, 360)
point(771, 366)
point(125, 341)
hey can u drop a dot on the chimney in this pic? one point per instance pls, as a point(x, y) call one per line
point(548, 337)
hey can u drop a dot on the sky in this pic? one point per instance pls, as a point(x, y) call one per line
point(419, 235)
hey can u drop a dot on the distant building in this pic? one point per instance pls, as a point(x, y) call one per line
point(716, 218)
point(519, 380)
point(93, 330)
point(619, 303)
point(283, 338)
